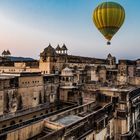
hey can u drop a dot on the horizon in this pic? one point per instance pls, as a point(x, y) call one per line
point(27, 27)
point(117, 59)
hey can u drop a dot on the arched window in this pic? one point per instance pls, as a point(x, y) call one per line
point(3, 126)
point(20, 121)
point(41, 114)
point(12, 122)
point(67, 79)
point(63, 79)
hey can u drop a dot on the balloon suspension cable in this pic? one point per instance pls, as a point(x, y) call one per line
point(108, 43)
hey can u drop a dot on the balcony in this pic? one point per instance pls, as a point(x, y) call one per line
point(121, 114)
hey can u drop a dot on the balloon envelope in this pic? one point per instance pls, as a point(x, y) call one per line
point(108, 17)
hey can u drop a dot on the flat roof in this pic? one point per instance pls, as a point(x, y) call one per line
point(68, 120)
point(123, 89)
point(68, 87)
point(21, 74)
point(50, 75)
point(9, 75)
point(6, 77)
point(112, 70)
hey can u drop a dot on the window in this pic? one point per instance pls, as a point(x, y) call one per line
point(67, 79)
point(12, 122)
point(20, 121)
point(63, 79)
point(3, 126)
point(121, 114)
point(100, 125)
point(123, 96)
point(0, 97)
point(41, 114)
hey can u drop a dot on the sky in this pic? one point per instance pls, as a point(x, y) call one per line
point(28, 26)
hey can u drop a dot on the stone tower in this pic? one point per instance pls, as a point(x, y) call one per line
point(47, 60)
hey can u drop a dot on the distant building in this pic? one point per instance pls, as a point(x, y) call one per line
point(6, 53)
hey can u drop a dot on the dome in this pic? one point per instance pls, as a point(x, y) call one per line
point(109, 55)
point(8, 52)
point(67, 69)
point(67, 72)
point(64, 47)
point(49, 51)
point(4, 52)
point(58, 48)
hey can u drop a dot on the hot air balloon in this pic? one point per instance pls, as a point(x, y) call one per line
point(108, 17)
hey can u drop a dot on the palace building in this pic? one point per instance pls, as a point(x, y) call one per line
point(68, 97)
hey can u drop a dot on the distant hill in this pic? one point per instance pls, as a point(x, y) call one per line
point(13, 58)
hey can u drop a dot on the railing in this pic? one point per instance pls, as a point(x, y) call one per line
point(27, 86)
point(23, 112)
point(33, 120)
point(134, 93)
point(29, 110)
point(79, 129)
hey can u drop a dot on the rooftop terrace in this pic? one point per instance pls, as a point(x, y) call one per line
point(74, 118)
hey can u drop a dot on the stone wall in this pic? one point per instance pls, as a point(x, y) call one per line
point(26, 132)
